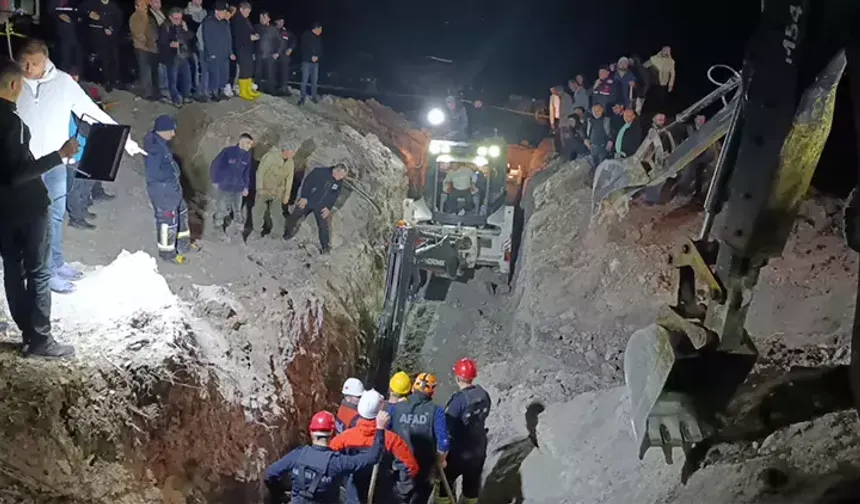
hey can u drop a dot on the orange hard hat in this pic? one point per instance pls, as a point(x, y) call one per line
point(426, 383)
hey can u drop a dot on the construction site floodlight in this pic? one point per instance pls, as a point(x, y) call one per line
point(481, 161)
point(436, 117)
point(482, 151)
point(494, 151)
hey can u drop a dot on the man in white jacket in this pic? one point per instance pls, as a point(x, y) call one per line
point(46, 103)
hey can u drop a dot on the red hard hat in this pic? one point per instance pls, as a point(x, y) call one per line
point(466, 369)
point(322, 422)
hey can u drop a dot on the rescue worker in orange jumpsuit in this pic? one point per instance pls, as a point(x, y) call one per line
point(347, 414)
point(467, 412)
point(398, 466)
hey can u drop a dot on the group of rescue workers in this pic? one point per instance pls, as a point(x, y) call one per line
point(404, 451)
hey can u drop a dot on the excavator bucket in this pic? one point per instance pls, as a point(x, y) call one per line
point(676, 390)
point(659, 158)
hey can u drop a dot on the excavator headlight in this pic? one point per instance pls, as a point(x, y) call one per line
point(482, 151)
point(494, 151)
point(436, 117)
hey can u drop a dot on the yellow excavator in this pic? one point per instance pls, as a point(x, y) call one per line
point(683, 371)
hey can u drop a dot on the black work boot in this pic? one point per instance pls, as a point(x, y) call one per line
point(81, 224)
point(50, 349)
point(103, 196)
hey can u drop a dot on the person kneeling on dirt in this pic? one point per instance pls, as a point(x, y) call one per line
point(347, 413)
point(396, 472)
point(274, 185)
point(231, 178)
point(318, 194)
point(467, 412)
point(459, 183)
point(163, 186)
point(316, 470)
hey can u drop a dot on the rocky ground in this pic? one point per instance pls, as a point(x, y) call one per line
point(552, 353)
point(191, 378)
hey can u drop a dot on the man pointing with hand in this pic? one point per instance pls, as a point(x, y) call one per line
point(46, 102)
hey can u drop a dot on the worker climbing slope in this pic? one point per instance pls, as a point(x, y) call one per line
point(467, 412)
point(347, 413)
point(422, 424)
point(397, 468)
point(316, 471)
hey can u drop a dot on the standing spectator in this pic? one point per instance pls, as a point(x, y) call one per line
point(59, 96)
point(288, 45)
point(318, 194)
point(274, 185)
point(579, 93)
point(654, 194)
point(25, 224)
point(158, 16)
point(231, 177)
point(629, 135)
point(605, 90)
point(144, 37)
point(243, 47)
point(665, 66)
point(194, 16)
point(691, 179)
point(616, 119)
point(105, 25)
point(560, 107)
point(312, 49)
point(65, 14)
point(626, 82)
point(643, 83)
point(218, 51)
point(175, 52)
point(268, 52)
point(599, 134)
point(172, 234)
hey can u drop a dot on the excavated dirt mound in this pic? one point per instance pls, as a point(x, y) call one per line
point(191, 379)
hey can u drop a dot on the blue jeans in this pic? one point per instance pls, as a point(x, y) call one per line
point(179, 79)
point(162, 77)
point(310, 71)
point(55, 180)
point(79, 193)
point(219, 73)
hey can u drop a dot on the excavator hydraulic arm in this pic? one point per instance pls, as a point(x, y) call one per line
point(682, 371)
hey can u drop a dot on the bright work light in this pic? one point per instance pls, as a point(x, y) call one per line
point(436, 117)
point(494, 151)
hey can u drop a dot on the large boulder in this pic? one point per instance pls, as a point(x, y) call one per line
point(191, 379)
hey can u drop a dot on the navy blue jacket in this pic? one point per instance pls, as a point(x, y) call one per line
point(217, 38)
point(467, 412)
point(339, 465)
point(231, 169)
point(320, 189)
point(161, 168)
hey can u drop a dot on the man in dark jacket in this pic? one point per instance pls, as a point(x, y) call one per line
point(605, 90)
point(218, 50)
point(629, 135)
point(243, 47)
point(163, 186)
point(175, 52)
point(692, 178)
point(25, 226)
point(105, 21)
point(231, 178)
point(318, 194)
point(286, 48)
point(616, 118)
point(268, 52)
point(65, 14)
point(599, 135)
point(312, 49)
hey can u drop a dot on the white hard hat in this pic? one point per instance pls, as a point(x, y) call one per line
point(370, 403)
point(353, 387)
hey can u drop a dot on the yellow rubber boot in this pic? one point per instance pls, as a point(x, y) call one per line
point(244, 90)
point(251, 91)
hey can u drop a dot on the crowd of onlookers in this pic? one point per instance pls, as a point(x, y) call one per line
point(188, 54)
point(604, 120)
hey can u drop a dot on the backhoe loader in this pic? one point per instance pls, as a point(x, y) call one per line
point(683, 371)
